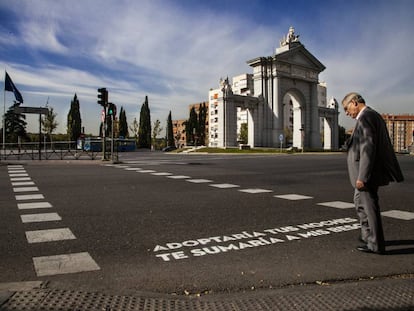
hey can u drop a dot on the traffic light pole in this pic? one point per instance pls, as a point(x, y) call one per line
point(104, 137)
point(103, 101)
point(112, 140)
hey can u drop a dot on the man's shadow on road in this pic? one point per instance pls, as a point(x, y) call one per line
point(399, 247)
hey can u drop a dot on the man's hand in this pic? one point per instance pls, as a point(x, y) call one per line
point(360, 184)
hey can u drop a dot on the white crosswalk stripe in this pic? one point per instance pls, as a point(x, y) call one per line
point(293, 197)
point(255, 190)
point(49, 235)
point(33, 205)
point(26, 189)
point(26, 218)
point(199, 181)
point(63, 264)
point(404, 215)
point(29, 197)
point(338, 204)
point(224, 186)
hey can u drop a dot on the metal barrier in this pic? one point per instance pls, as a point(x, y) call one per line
point(61, 150)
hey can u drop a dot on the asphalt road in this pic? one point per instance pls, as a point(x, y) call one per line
point(195, 223)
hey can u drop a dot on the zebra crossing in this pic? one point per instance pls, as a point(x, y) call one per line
point(396, 214)
point(34, 208)
point(29, 202)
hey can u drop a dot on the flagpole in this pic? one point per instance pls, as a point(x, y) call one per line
point(4, 120)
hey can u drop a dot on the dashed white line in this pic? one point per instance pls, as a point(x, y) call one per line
point(293, 197)
point(33, 205)
point(145, 171)
point(20, 179)
point(29, 197)
point(46, 265)
point(49, 235)
point(17, 172)
point(25, 189)
point(338, 204)
point(23, 183)
point(63, 264)
point(161, 174)
point(255, 190)
point(178, 177)
point(19, 175)
point(40, 217)
point(399, 214)
point(224, 186)
point(199, 181)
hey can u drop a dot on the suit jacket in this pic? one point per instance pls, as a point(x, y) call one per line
point(371, 157)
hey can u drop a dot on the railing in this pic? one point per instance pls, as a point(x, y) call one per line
point(66, 150)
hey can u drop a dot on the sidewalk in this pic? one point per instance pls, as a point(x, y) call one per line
point(377, 294)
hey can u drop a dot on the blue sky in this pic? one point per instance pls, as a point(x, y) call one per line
point(175, 51)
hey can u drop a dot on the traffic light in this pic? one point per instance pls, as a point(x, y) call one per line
point(102, 97)
point(112, 110)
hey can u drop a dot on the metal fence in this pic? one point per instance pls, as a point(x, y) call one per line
point(62, 150)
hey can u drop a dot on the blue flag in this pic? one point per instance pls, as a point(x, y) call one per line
point(9, 86)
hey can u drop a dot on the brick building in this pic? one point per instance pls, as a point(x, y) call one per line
point(401, 130)
point(180, 136)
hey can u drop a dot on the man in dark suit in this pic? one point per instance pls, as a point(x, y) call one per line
point(371, 163)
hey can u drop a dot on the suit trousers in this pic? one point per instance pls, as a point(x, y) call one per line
point(368, 210)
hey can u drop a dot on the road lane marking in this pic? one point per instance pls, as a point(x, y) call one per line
point(49, 235)
point(40, 217)
point(399, 214)
point(338, 204)
point(293, 197)
point(19, 175)
point(32, 205)
point(199, 181)
point(64, 264)
point(224, 186)
point(25, 189)
point(23, 183)
point(145, 171)
point(20, 178)
point(161, 174)
point(29, 197)
point(46, 265)
point(178, 177)
point(255, 190)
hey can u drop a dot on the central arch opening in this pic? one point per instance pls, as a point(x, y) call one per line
point(293, 120)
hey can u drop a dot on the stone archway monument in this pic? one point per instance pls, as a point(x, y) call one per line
point(287, 81)
point(284, 102)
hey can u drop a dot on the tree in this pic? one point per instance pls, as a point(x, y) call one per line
point(123, 125)
point(157, 129)
point(191, 126)
point(144, 132)
point(342, 135)
point(74, 120)
point(15, 126)
point(201, 130)
point(243, 136)
point(49, 123)
point(170, 133)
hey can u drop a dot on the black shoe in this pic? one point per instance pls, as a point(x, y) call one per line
point(365, 249)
